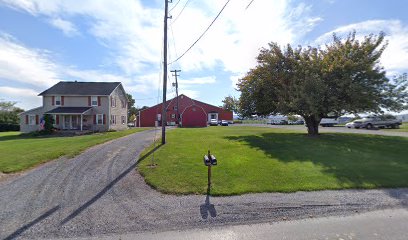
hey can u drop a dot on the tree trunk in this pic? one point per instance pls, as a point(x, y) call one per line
point(312, 124)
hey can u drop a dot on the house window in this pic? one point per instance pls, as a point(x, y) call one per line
point(113, 102)
point(31, 119)
point(123, 120)
point(99, 119)
point(113, 119)
point(57, 100)
point(175, 108)
point(173, 115)
point(123, 103)
point(94, 101)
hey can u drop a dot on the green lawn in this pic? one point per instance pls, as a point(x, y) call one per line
point(403, 128)
point(254, 159)
point(21, 151)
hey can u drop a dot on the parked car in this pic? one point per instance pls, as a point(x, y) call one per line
point(329, 122)
point(372, 122)
point(224, 123)
point(277, 122)
point(213, 122)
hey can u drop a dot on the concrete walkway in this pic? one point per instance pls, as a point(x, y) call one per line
point(99, 193)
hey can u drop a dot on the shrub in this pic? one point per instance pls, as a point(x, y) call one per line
point(4, 127)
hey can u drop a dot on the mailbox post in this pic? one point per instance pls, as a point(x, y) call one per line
point(209, 160)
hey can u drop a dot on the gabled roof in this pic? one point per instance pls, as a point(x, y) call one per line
point(82, 88)
point(180, 97)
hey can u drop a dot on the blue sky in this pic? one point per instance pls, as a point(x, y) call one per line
point(43, 42)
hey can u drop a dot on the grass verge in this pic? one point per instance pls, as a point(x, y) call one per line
point(21, 151)
point(254, 159)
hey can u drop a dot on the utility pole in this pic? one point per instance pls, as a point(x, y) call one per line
point(163, 117)
point(177, 98)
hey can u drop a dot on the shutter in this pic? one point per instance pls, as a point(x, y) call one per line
point(53, 100)
point(89, 100)
point(36, 119)
point(62, 100)
point(57, 119)
point(26, 119)
point(104, 119)
point(94, 119)
point(99, 101)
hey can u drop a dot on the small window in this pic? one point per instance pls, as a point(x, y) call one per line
point(173, 115)
point(123, 103)
point(94, 101)
point(113, 102)
point(175, 108)
point(113, 119)
point(57, 100)
point(99, 119)
point(31, 119)
point(123, 120)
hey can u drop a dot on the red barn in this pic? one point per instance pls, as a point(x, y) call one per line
point(193, 113)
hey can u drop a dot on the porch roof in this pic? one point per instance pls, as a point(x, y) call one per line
point(69, 110)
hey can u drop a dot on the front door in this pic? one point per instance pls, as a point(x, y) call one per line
point(75, 122)
point(67, 122)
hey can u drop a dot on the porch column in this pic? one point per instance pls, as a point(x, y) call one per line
point(81, 122)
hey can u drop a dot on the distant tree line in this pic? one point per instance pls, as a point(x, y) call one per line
point(9, 118)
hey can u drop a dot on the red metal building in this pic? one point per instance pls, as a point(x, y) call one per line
point(193, 113)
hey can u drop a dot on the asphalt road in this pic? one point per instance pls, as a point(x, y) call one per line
point(99, 193)
point(338, 129)
point(384, 224)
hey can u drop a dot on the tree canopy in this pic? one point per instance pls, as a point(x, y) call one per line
point(230, 103)
point(343, 77)
point(9, 112)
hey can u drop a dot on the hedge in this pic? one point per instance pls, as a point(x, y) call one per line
point(4, 127)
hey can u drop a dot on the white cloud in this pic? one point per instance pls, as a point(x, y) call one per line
point(36, 68)
point(197, 81)
point(236, 37)
point(395, 56)
point(133, 32)
point(190, 93)
point(67, 27)
point(25, 98)
point(31, 66)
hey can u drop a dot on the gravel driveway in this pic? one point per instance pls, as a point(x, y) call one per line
point(99, 192)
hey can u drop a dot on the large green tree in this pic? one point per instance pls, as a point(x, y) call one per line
point(9, 112)
point(231, 103)
point(343, 77)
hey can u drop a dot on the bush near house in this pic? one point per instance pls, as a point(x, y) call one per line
point(4, 127)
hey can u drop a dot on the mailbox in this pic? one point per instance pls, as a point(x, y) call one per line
point(213, 160)
point(207, 161)
point(210, 160)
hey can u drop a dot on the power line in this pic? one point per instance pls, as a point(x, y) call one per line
point(192, 45)
point(249, 4)
point(174, 6)
point(181, 11)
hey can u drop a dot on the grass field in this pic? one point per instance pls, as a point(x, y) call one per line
point(19, 152)
point(403, 128)
point(254, 159)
